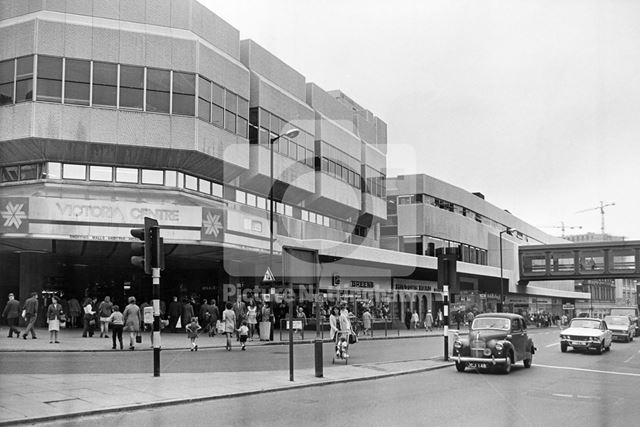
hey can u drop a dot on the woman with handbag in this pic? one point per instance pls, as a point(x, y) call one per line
point(132, 321)
point(54, 315)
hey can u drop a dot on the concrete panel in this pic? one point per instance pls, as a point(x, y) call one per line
point(329, 106)
point(215, 30)
point(130, 128)
point(133, 10)
point(23, 7)
point(373, 157)
point(104, 125)
point(56, 5)
point(7, 115)
point(220, 144)
point(264, 63)
point(340, 138)
point(339, 191)
point(157, 130)
point(75, 123)
point(366, 129)
point(183, 55)
point(79, 7)
point(8, 42)
point(381, 135)
point(132, 48)
point(78, 41)
point(25, 38)
point(106, 9)
point(106, 45)
point(21, 118)
point(48, 118)
point(218, 68)
point(181, 14)
point(50, 38)
point(6, 9)
point(158, 51)
point(158, 12)
point(286, 107)
point(183, 133)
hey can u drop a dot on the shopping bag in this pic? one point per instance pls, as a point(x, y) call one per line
point(139, 339)
point(353, 339)
point(219, 327)
point(179, 323)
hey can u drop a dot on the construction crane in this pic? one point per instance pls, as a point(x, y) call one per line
point(563, 227)
point(601, 209)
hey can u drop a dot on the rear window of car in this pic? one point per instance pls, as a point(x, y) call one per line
point(617, 320)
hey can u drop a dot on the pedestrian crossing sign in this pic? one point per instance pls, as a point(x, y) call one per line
point(268, 276)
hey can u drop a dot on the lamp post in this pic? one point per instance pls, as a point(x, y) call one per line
point(291, 133)
point(508, 230)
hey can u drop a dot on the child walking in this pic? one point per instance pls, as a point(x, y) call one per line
point(244, 334)
point(117, 324)
point(192, 332)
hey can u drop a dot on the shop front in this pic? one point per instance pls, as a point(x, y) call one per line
point(415, 295)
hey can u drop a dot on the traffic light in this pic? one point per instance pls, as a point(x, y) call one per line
point(335, 279)
point(142, 253)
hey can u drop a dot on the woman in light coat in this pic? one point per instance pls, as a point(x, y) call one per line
point(345, 322)
point(334, 322)
point(131, 316)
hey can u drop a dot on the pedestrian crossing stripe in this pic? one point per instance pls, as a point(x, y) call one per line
point(268, 276)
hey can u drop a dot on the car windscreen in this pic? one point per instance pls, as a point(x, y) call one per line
point(616, 320)
point(582, 323)
point(491, 323)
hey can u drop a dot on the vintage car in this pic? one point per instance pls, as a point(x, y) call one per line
point(586, 333)
point(496, 340)
point(621, 327)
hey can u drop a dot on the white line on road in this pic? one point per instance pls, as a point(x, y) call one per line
point(629, 359)
point(562, 395)
point(627, 374)
point(579, 396)
point(552, 345)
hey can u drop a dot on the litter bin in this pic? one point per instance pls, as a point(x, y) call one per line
point(265, 330)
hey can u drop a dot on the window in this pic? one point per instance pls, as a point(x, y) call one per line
point(312, 217)
point(170, 178)
point(6, 81)
point(190, 182)
point(158, 87)
point(9, 174)
point(153, 176)
point(128, 175)
point(327, 221)
point(216, 189)
point(243, 115)
point(105, 83)
point(280, 208)
point(49, 79)
point(217, 109)
point(288, 210)
point(76, 81)
point(54, 170)
point(71, 171)
point(28, 172)
point(100, 173)
point(231, 106)
point(204, 99)
point(241, 196)
point(24, 79)
point(261, 202)
point(304, 215)
point(131, 86)
point(204, 186)
point(184, 91)
point(251, 199)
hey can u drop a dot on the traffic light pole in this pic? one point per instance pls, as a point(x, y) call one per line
point(156, 321)
point(446, 321)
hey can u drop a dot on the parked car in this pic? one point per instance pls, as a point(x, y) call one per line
point(495, 340)
point(586, 333)
point(632, 312)
point(621, 327)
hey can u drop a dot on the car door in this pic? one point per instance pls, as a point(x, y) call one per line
point(518, 338)
point(608, 335)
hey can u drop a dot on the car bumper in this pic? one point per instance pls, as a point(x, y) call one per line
point(487, 360)
point(621, 334)
point(582, 344)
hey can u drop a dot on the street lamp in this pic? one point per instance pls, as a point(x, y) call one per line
point(291, 133)
point(509, 231)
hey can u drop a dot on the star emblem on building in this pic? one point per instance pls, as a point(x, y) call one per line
point(212, 224)
point(13, 215)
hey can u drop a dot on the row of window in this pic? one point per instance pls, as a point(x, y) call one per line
point(449, 206)
point(376, 182)
point(340, 165)
point(106, 84)
point(427, 245)
point(166, 178)
point(265, 126)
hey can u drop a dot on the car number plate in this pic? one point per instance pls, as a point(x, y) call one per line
point(478, 365)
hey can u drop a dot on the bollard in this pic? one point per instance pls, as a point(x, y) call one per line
point(318, 357)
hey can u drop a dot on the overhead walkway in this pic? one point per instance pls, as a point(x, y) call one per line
point(579, 261)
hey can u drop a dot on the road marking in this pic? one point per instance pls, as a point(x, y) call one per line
point(629, 359)
point(579, 396)
point(562, 395)
point(626, 374)
point(552, 345)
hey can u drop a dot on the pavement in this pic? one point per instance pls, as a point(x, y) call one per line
point(32, 398)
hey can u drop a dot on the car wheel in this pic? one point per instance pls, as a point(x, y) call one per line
point(460, 366)
point(563, 347)
point(630, 337)
point(600, 349)
point(507, 366)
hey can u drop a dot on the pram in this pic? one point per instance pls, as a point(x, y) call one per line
point(341, 350)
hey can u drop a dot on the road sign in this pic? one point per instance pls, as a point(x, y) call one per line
point(268, 276)
point(568, 306)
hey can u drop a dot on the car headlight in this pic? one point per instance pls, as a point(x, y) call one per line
point(499, 346)
point(564, 337)
point(595, 339)
point(487, 351)
point(457, 344)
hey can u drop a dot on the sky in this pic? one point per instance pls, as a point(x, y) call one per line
point(534, 103)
